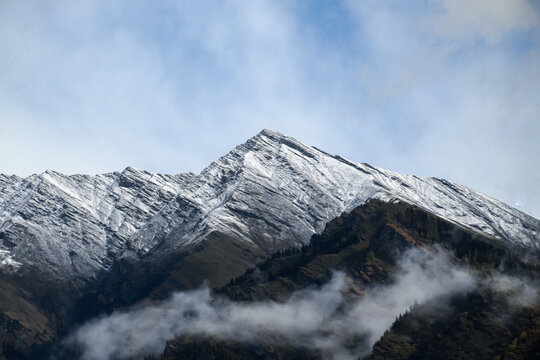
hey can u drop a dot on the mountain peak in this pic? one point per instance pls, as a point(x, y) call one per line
point(51, 172)
point(272, 191)
point(275, 141)
point(130, 169)
point(263, 146)
point(271, 133)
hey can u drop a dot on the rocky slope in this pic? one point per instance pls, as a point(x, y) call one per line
point(270, 193)
point(76, 225)
point(484, 322)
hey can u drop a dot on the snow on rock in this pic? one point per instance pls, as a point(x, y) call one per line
point(78, 224)
point(272, 191)
point(7, 263)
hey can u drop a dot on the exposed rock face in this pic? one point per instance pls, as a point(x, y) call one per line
point(271, 192)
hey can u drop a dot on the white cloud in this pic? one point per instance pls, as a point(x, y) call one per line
point(489, 19)
point(314, 318)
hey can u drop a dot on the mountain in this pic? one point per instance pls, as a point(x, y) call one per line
point(75, 225)
point(271, 192)
point(481, 323)
point(73, 247)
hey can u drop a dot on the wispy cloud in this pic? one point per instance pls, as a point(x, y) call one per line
point(314, 318)
point(329, 319)
point(489, 19)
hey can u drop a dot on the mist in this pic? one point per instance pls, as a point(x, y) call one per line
point(325, 319)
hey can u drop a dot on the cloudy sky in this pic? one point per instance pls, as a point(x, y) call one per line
point(444, 88)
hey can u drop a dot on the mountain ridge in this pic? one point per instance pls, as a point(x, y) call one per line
point(79, 224)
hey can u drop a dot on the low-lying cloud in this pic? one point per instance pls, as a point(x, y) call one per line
point(324, 319)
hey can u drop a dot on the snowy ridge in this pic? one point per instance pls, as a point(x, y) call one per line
point(279, 188)
point(78, 224)
point(272, 191)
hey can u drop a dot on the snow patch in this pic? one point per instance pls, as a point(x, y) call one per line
point(7, 263)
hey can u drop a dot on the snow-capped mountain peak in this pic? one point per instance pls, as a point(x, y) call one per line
point(272, 192)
